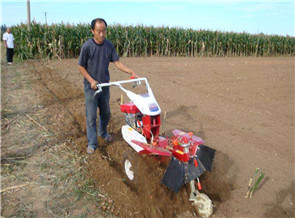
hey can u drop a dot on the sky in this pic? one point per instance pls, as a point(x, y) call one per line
point(272, 17)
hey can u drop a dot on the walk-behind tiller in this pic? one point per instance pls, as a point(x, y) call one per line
point(189, 157)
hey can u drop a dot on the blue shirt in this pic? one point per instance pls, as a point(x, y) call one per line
point(95, 58)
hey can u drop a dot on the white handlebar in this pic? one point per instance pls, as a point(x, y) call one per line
point(118, 83)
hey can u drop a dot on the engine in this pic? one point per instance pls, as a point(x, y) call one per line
point(149, 126)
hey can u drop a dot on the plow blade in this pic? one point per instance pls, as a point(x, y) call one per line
point(173, 177)
point(206, 156)
point(193, 171)
point(179, 173)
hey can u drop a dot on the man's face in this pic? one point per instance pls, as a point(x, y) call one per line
point(99, 32)
point(8, 30)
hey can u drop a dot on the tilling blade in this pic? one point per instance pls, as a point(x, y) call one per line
point(193, 171)
point(206, 156)
point(173, 177)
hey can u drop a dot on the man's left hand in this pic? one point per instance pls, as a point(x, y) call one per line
point(134, 75)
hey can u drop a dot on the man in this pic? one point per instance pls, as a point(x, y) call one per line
point(9, 45)
point(95, 55)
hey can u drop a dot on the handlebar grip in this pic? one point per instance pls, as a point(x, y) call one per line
point(99, 89)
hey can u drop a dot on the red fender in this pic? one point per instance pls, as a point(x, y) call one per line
point(149, 149)
point(180, 133)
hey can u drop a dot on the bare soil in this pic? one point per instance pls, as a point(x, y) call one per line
point(242, 107)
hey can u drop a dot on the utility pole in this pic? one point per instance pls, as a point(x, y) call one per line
point(45, 18)
point(28, 15)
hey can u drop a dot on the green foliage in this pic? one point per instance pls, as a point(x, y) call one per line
point(65, 41)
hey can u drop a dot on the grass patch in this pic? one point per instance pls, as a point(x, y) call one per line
point(6, 113)
point(24, 209)
point(69, 182)
point(8, 169)
point(62, 174)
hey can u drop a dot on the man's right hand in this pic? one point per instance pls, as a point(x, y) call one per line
point(86, 75)
point(94, 85)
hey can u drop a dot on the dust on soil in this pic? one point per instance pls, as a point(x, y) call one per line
point(242, 107)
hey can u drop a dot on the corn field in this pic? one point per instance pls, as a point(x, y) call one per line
point(65, 40)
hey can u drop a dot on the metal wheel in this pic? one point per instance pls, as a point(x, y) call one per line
point(128, 169)
point(131, 167)
point(203, 205)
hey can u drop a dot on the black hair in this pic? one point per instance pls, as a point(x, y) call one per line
point(93, 22)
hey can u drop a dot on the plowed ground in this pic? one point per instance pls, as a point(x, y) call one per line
point(242, 107)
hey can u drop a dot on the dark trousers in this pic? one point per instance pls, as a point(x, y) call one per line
point(9, 54)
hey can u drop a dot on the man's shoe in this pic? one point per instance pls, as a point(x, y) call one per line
point(108, 138)
point(90, 150)
point(9, 63)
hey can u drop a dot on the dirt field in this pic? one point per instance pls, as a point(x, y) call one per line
point(242, 107)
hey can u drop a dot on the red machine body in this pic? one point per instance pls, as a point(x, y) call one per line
point(183, 145)
point(149, 126)
point(129, 108)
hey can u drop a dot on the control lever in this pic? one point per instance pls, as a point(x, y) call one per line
point(137, 83)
